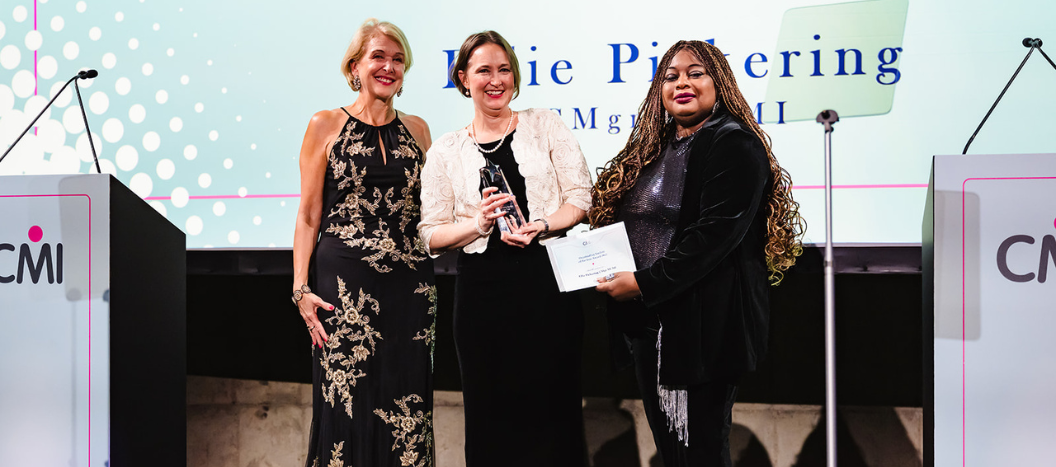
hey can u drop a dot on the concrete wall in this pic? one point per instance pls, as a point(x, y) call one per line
point(244, 423)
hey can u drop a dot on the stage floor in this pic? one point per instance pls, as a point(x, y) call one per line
point(235, 423)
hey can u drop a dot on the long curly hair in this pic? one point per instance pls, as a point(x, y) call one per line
point(784, 226)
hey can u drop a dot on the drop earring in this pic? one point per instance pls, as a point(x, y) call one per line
point(400, 92)
point(356, 85)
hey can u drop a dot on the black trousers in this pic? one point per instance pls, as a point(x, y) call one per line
point(710, 413)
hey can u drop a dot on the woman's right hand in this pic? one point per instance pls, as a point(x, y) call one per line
point(308, 305)
point(322, 130)
point(490, 203)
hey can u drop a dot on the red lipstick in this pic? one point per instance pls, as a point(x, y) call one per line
point(684, 97)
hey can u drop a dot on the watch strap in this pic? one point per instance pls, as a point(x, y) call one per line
point(546, 225)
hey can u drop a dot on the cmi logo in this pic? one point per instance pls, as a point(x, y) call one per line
point(1046, 255)
point(33, 259)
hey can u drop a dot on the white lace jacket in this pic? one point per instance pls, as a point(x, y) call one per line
point(547, 155)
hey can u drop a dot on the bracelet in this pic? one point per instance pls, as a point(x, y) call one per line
point(476, 223)
point(546, 226)
point(299, 293)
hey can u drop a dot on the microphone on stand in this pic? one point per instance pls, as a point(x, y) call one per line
point(86, 74)
point(1030, 43)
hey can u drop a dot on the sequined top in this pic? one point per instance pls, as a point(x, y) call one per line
point(650, 208)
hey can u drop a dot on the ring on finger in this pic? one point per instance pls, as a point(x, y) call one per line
point(311, 327)
point(610, 277)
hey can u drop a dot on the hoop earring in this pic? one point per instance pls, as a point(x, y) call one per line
point(356, 84)
point(400, 92)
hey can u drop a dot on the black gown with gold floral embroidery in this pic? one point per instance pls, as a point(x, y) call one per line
point(373, 378)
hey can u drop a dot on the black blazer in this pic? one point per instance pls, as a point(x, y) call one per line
point(710, 290)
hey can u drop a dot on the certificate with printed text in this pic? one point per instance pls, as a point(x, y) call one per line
point(579, 260)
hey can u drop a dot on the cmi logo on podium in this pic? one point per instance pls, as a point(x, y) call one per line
point(31, 260)
point(1046, 255)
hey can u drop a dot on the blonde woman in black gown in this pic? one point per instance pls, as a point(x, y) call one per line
point(362, 279)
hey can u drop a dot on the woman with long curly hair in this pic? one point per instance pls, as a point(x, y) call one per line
point(714, 224)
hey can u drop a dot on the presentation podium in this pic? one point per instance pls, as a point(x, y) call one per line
point(92, 325)
point(989, 258)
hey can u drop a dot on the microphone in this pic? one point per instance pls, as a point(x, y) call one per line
point(1032, 44)
point(86, 74)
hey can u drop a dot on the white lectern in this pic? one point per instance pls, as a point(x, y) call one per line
point(989, 247)
point(92, 325)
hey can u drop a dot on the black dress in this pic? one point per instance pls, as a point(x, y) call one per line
point(519, 343)
point(372, 379)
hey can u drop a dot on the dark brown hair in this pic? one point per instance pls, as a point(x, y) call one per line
point(784, 226)
point(471, 43)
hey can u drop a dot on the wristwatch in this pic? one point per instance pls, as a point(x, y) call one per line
point(546, 226)
point(297, 294)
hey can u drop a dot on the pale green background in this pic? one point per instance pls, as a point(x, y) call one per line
point(278, 63)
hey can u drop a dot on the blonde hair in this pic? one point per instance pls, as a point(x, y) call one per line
point(370, 29)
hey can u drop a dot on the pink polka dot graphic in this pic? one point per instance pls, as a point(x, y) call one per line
point(36, 233)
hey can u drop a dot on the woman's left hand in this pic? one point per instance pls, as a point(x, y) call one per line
point(622, 287)
point(523, 236)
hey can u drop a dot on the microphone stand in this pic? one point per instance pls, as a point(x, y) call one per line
point(1029, 43)
point(81, 75)
point(828, 117)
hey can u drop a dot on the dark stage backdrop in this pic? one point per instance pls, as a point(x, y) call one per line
point(242, 324)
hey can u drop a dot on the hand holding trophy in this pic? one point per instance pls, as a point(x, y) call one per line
point(511, 220)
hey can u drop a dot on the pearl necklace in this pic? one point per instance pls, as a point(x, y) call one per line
point(497, 146)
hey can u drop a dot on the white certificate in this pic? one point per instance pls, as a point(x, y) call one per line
point(579, 260)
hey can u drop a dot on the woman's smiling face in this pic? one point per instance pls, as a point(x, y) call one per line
point(381, 68)
point(489, 77)
point(688, 92)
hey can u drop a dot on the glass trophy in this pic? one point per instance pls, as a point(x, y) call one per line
point(491, 175)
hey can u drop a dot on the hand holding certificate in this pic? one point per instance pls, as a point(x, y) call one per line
point(580, 260)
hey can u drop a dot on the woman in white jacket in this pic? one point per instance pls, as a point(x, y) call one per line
point(518, 338)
